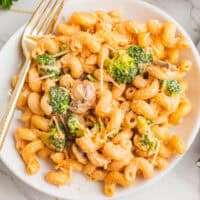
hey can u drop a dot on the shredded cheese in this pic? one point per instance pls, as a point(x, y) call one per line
point(102, 127)
point(56, 123)
point(101, 74)
point(62, 121)
point(112, 49)
point(46, 76)
point(62, 53)
point(114, 83)
point(156, 153)
point(111, 133)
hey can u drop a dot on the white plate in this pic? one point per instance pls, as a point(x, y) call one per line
point(80, 188)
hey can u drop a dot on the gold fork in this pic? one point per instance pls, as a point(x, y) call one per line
point(41, 23)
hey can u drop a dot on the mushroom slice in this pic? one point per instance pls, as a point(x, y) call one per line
point(83, 96)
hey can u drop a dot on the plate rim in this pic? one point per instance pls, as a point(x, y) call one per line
point(194, 132)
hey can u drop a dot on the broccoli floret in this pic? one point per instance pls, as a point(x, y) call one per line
point(143, 125)
point(75, 127)
point(59, 99)
point(6, 4)
point(48, 66)
point(171, 87)
point(63, 50)
point(139, 55)
point(46, 59)
point(149, 142)
point(121, 67)
point(54, 139)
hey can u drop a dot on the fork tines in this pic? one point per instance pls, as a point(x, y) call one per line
point(44, 18)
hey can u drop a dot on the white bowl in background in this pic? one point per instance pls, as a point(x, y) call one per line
point(80, 187)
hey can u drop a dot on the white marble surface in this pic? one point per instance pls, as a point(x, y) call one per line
point(183, 182)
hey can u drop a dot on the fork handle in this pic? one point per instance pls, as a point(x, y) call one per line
point(10, 109)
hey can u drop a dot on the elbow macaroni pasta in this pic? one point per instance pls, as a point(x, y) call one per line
point(130, 118)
